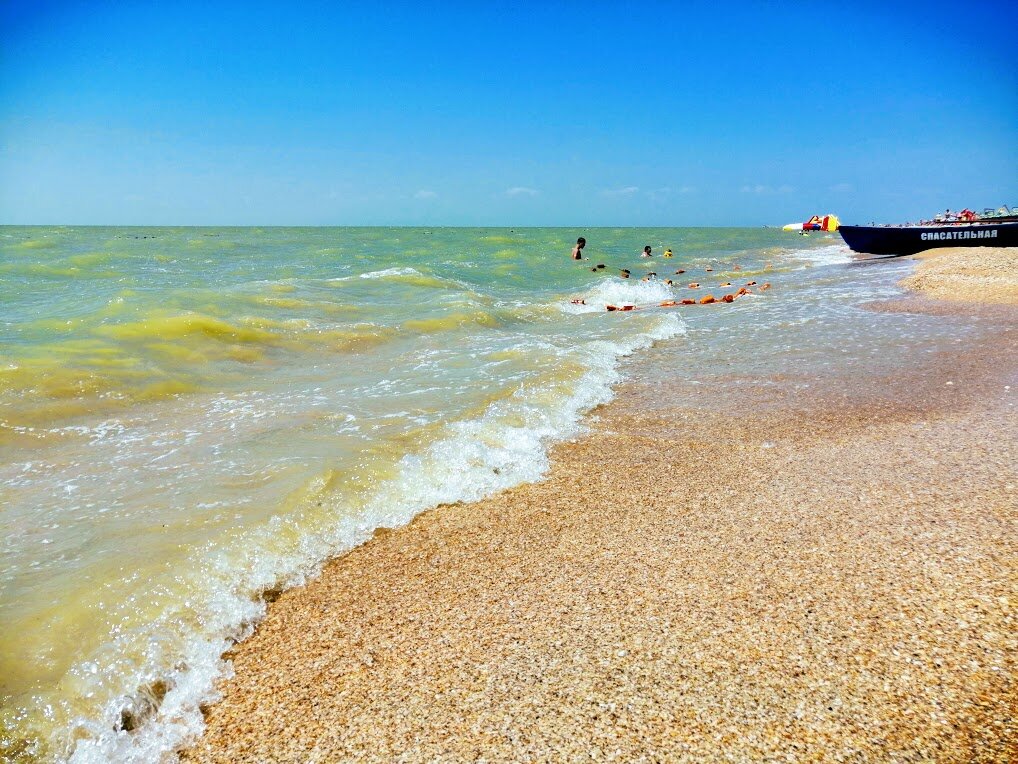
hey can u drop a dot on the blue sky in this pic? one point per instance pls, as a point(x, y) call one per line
point(551, 113)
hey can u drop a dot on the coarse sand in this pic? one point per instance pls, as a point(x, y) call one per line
point(821, 578)
point(970, 274)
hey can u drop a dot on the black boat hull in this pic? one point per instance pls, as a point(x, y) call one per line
point(907, 240)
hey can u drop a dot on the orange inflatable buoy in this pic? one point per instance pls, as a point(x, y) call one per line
point(707, 299)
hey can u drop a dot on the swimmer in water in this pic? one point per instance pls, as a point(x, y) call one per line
point(578, 249)
point(646, 252)
point(668, 253)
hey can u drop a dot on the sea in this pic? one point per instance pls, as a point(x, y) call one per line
point(195, 419)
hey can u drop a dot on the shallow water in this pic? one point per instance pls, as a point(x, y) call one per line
point(194, 417)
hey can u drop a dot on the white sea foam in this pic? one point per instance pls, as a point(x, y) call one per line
point(380, 274)
point(618, 291)
point(504, 446)
point(390, 272)
point(830, 254)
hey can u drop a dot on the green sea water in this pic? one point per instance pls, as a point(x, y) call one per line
point(193, 417)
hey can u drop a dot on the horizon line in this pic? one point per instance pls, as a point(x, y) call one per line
point(355, 225)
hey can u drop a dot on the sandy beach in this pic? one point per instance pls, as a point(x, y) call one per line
point(967, 274)
point(753, 576)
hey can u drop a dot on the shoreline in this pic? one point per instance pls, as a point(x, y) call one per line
point(812, 577)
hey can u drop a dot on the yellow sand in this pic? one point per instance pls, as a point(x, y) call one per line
point(815, 579)
point(968, 274)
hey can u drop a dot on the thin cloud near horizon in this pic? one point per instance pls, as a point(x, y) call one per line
point(759, 188)
point(666, 191)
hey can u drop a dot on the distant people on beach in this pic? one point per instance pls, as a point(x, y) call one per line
point(966, 215)
point(646, 252)
point(578, 249)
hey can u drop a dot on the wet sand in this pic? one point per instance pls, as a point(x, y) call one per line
point(734, 578)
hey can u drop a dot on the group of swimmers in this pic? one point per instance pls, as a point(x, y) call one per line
point(581, 243)
point(577, 254)
point(648, 253)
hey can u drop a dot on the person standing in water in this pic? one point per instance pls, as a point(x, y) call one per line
point(578, 249)
point(646, 252)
